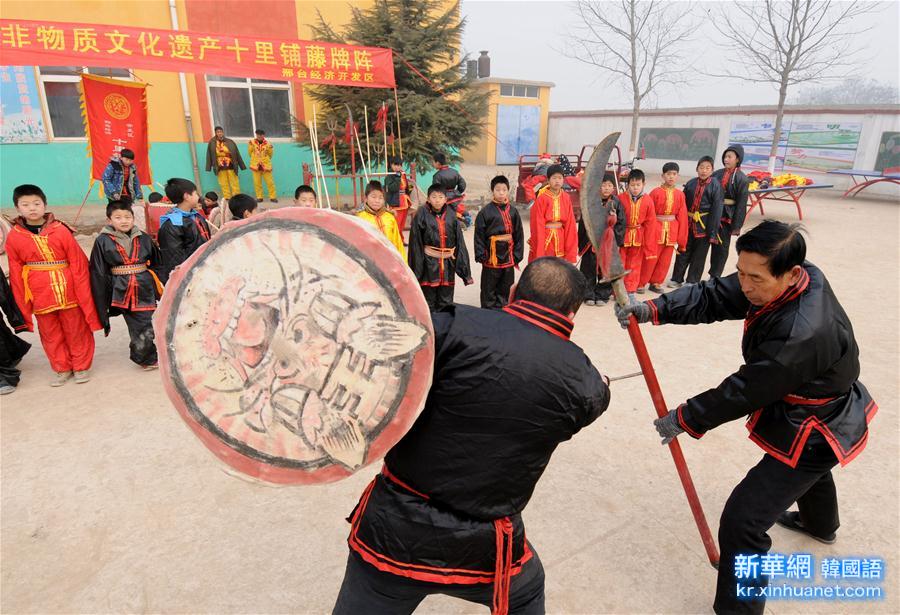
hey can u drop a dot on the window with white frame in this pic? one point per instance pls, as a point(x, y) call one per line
point(516, 90)
point(243, 106)
point(60, 91)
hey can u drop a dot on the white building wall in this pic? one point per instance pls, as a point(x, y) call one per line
point(569, 131)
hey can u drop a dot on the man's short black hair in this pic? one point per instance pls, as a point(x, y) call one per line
point(177, 187)
point(395, 160)
point(218, 128)
point(374, 186)
point(609, 177)
point(120, 204)
point(27, 190)
point(260, 131)
point(782, 245)
point(671, 166)
point(440, 157)
point(553, 283)
point(636, 174)
point(500, 179)
point(435, 188)
point(304, 188)
point(126, 153)
point(212, 196)
point(155, 197)
point(240, 203)
point(708, 159)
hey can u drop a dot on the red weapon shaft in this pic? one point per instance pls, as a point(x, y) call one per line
point(643, 357)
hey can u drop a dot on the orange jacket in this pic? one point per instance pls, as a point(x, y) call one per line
point(554, 230)
point(49, 271)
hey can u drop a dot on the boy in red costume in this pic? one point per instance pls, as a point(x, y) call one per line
point(671, 228)
point(640, 227)
point(48, 272)
point(553, 226)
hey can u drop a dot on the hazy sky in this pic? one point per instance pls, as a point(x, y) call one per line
point(523, 37)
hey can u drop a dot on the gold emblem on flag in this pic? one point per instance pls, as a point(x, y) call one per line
point(117, 106)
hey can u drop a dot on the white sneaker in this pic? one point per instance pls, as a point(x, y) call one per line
point(61, 379)
point(82, 377)
point(7, 389)
point(673, 284)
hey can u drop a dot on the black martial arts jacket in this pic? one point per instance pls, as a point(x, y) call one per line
point(584, 240)
point(450, 181)
point(801, 365)
point(737, 191)
point(704, 213)
point(180, 234)
point(499, 238)
point(125, 279)
point(508, 387)
point(437, 249)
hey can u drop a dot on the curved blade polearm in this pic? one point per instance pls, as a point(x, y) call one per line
point(599, 224)
point(597, 220)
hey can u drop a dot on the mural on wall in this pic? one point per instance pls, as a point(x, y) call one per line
point(888, 151)
point(822, 146)
point(679, 143)
point(21, 120)
point(756, 137)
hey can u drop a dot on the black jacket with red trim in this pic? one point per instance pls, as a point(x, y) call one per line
point(438, 230)
point(584, 241)
point(135, 291)
point(706, 213)
point(508, 388)
point(800, 371)
point(736, 189)
point(499, 219)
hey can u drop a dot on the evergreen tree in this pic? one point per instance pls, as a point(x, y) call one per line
point(428, 39)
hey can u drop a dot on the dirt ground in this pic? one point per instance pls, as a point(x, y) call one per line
point(110, 504)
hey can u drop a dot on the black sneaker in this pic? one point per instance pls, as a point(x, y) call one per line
point(274, 200)
point(259, 200)
point(791, 520)
point(656, 288)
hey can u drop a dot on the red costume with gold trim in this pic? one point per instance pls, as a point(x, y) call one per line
point(671, 231)
point(554, 230)
point(640, 237)
point(48, 273)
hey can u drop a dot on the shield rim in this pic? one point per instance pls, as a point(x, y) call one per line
point(385, 257)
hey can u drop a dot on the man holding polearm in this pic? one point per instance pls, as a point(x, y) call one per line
point(798, 385)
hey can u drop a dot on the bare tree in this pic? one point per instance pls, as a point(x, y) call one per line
point(638, 43)
point(850, 91)
point(787, 42)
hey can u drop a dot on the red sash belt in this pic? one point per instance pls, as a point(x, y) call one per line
point(797, 400)
point(503, 531)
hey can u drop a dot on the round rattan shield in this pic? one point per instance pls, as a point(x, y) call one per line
point(296, 345)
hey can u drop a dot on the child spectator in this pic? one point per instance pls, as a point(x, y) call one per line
point(242, 206)
point(597, 292)
point(12, 347)
point(375, 213)
point(305, 196)
point(640, 226)
point(125, 279)
point(181, 229)
point(48, 272)
point(553, 226)
point(437, 251)
point(499, 245)
point(736, 190)
point(396, 187)
point(210, 203)
point(704, 201)
point(671, 227)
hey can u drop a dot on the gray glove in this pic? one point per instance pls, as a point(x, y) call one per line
point(640, 310)
point(668, 427)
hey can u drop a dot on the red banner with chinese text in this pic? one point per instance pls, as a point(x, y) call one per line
point(115, 115)
point(37, 43)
